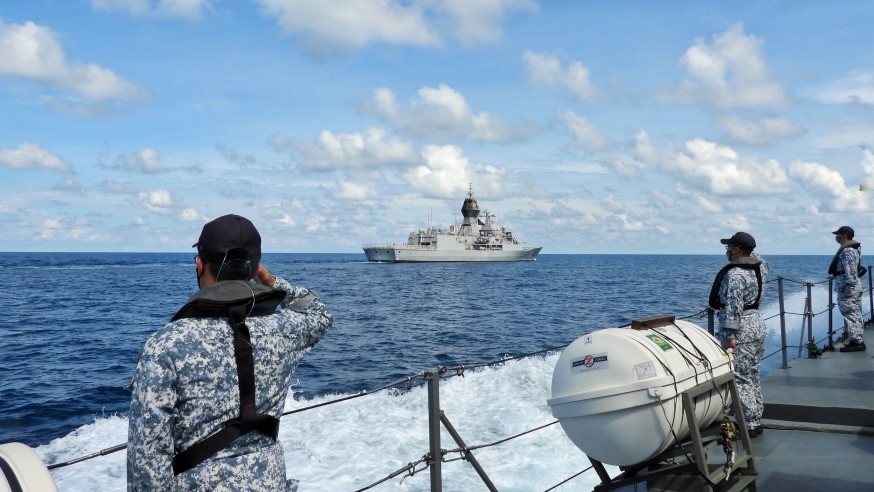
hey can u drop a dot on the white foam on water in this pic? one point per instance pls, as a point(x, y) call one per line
point(353, 444)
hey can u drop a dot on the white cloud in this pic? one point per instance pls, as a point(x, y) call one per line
point(32, 156)
point(829, 185)
point(372, 148)
point(441, 113)
point(546, 70)
point(448, 173)
point(856, 87)
point(32, 52)
point(762, 132)
point(158, 201)
point(190, 215)
point(353, 191)
point(147, 160)
point(622, 167)
point(186, 9)
point(586, 135)
point(730, 72)
point(868, 168)
point(479, 20)
point(332, 27)
point(724, 172)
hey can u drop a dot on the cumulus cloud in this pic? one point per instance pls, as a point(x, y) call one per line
point(146, 161)
point(159, 201)
point(335, 27)
point(441, 113)
point(586, 135)
point(477, 21)
point(32, 156)
point(32, 52)
point(762, 132)
point(829, 185)
point(856, 87)
point(372, 148)
point(868, 168)
point(730, 72)
point(353, 191)
point(546, 70)
point(722, 171)
point(186, 9)
point(447, 173)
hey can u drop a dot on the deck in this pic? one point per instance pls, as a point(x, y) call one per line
point(819, 428)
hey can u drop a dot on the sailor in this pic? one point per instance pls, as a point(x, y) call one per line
point(736, 293)
point(845, 268)
point(210, 386)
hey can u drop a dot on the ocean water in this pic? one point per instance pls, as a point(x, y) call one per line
point(74, 324)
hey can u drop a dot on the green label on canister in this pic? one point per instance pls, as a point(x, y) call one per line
point(660, 342)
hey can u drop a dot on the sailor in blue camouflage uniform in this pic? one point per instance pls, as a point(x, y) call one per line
point(736, 293)
point(848, 287)
point(189, 381)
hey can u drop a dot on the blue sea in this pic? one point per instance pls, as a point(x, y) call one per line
point(73, 324)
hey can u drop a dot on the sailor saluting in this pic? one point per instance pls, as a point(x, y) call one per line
point(736, 293)
point(210, 386)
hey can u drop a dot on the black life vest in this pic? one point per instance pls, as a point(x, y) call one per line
point(236, 300)
point(717, 282)
point(833, 267)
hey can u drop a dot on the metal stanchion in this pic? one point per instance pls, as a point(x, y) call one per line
point(782, 322)
point(831, 306)
point(434, 414)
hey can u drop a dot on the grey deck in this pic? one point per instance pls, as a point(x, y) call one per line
point(819, 424)
point(819, 428)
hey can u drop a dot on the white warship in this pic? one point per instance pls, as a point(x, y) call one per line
point(476, 239)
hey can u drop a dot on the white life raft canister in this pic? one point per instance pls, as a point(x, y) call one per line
point(21, 469)
point(616, 391)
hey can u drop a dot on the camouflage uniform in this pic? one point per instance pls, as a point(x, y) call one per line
point(849, 283)
point(185, 387)
point(747, 328)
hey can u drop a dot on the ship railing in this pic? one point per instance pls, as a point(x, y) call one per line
point(398, 246)
point(436, 456)
point(807, 316)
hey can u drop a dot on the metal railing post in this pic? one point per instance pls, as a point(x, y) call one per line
point(434, 414)
point(870, 295)
point(809, 312)
point(831, 308)
point(710, 325)
point(782, 322)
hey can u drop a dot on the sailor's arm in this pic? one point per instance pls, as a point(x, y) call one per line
point(731, 296)
point(301, 301)
point(150, 431)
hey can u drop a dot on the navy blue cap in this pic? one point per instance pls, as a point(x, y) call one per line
point(742, 240)
point(229, 237)
point(846, 231)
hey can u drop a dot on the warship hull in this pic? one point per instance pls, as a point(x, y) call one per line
point(403, 253)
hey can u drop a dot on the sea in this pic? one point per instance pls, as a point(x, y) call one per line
point(73, 325)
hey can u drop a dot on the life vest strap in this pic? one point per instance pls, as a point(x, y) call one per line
point(248, 420)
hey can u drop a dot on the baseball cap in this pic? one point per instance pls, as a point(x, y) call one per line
point(846, 231)
point(229, 237)
point(741, 240)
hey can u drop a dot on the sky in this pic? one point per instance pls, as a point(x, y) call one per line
point(584, 126)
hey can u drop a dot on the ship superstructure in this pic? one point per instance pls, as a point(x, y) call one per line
point(475, 239)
